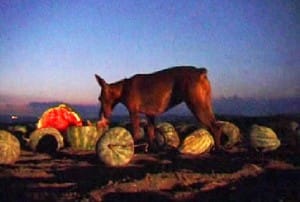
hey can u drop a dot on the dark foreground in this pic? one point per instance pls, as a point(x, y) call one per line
point(240, 174)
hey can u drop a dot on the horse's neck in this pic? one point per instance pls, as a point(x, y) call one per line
point(117, 88)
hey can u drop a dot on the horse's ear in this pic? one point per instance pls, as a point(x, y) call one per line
point(100, 81)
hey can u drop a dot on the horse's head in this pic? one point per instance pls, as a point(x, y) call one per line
point(108, 98)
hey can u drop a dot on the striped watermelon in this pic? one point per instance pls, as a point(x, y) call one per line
point(115, 147)
point(298, 138)
point(293, 125)
point(143, 127)
point(232, 133)
point(198, 142)
point(46, 139)
point(10, 149)
point(263, 138)
point(292, 135)
point(184, 129)
point(166, 135)
point(83, 137)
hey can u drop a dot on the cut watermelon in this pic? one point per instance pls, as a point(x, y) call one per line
point(59, 117)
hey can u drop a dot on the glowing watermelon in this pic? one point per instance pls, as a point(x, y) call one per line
point(198, 142)
point(232, 133)
point(59, 117)
point(115, 147)
point(84, 137)
point(263, 138)
point(10, 149)
point(166, 135)
point(46, 140)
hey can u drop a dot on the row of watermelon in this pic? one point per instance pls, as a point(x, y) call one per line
point(199, 140)
point(62, 116)
point(116, 146)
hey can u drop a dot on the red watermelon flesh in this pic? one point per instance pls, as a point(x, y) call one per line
point(60, 117)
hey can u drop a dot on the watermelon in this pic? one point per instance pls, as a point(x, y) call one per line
point(10, 149)
point(59, 117)
point(290, 135)
point(184, 129)
point(143, 127)
point(231, 132)
point(46, 139)
point(20, 132)
point(198, 142)
point(293, 125)
point(115, 147)
point(298, 137)
point(18, 129)
point(84, 137)
point(166, 135)
point(263, 138)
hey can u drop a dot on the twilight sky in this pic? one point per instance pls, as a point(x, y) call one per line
point(50, 50)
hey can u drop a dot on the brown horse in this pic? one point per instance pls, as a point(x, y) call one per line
point(153, 94)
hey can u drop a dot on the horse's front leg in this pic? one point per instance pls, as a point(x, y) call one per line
point(151, 128)
point(135, 121)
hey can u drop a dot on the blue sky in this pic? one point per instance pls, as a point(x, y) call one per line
point(50, 50)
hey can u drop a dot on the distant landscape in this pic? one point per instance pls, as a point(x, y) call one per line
point(235, 106)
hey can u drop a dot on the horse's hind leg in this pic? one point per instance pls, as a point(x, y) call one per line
point(204, 114)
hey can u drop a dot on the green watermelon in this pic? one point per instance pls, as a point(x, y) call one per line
point(293, 125)
point(49, 137)
point(10, 149)
point(263, 138)
point(166, 135)
point(198, 142)
point(184, 129)
point(84, 137)
point(290, 135)
point(115, 147)
point(143, 127)
point(19, 129)
point(232, 133)
point(20, 132)
point(298, 137)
